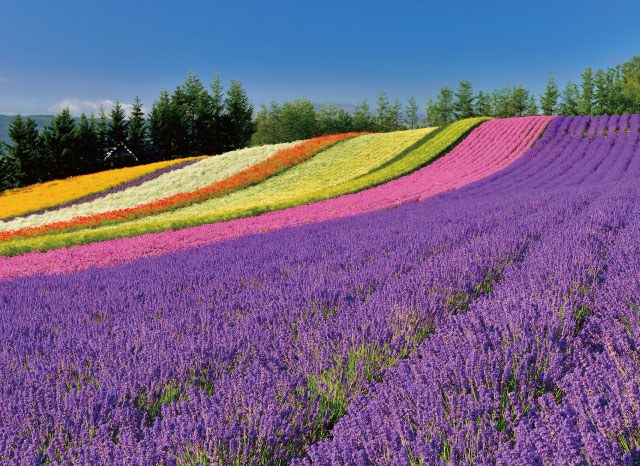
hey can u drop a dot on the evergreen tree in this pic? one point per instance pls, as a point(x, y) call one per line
point(217, 137)
point(10, 171)
point(630, 85)
point(137, 130)
point(570, 99)
point(102, 132)
point(238, 111)
point(463, 105)
point(520, 101)
point(433, 117)
point(266, 126)
point(362, 120)
point(117, 128)
point(395, 116)
point(88, 154)
point(25, 149)
point(343, 121)
point(327, 120)
point(532, 106)
point(585, 102)
point(601, 98)
point(58, 143)
point(549, 100)
point(483, 104)
point(295, 120)
point(411, 114)
point(162, 123)
point(383, 117)
point(441, 112)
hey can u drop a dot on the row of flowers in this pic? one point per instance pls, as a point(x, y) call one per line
point(280, 161)
point(41, 196)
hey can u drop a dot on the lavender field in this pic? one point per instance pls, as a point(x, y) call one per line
point(498, 323)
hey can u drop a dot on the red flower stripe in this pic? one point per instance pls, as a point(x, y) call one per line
point(278, 162)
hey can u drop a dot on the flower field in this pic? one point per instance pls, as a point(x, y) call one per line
point(280, 161)
point(472, 299)
point(186, 178)
point(53, 193)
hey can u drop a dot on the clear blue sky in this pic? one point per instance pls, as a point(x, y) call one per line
point(86, 52)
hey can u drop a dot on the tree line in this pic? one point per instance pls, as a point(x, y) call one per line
point(196, 119)
point(193, 120)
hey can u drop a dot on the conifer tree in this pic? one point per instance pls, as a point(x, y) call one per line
point(395, 116)
point(570, 99)
point(585, 102)
point(382, 119)
point(444, 106)
point(630, 85)
point(59, 149)
point(362, 120)
point(162, 127)
point(411, 114)
point(238, 111)
point(483, 104)
point(102, 131)
point(25, 149)
point(88, 155)
point(117, 128)
point(10, 170)
point(549, 100)
point(463, 105)
point(344, 121)
point(137, 130)
point(532, 106)
point(327, 120)
point(218, 125)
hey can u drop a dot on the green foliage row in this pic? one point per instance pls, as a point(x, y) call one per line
point(432, 146)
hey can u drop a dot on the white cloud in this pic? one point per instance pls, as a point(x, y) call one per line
point(79, 106)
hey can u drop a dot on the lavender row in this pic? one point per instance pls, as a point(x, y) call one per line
point(116, 189)
point(507, 382)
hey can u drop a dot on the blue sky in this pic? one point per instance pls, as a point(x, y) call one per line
point(83, 53)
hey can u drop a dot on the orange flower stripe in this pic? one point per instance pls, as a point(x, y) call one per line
point(275, 164)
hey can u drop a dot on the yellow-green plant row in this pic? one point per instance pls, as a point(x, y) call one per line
point(53, 193)
point(189, 178)
point(425, 151)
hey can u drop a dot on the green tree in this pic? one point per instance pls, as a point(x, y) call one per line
point(411, 118)
point(549, 100)
point(162, 127)
point(88, 154)
point(216, 136)
point(532, 106)
point(238, 111)
point(585, 102)
point(137, 130)
point(59, 149)
point(463, 106)
point(327, 119)
point(117, 128)
point(570, 99)
point(267, 126)
point(441, 112)
point(344, 121)
point(362, 120)
point(295, 120)
point(10, 171)
point(25, 149)
point(102, 131)
point(383, 117)
point(630, 85)
point(483, 104)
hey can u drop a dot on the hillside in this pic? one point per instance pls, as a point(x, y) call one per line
point(457, 295)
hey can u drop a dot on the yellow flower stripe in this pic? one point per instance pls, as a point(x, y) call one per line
point(52, 193)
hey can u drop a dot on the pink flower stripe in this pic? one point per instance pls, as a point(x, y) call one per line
point(489, 148)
